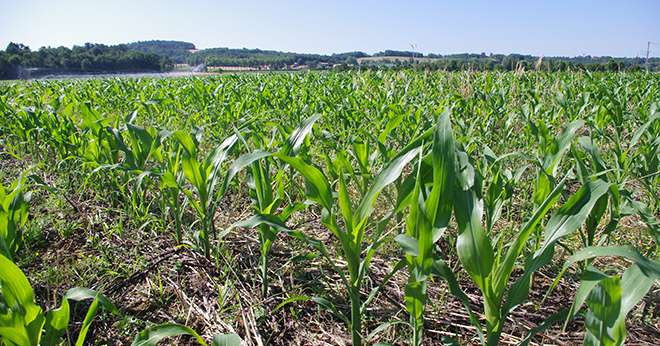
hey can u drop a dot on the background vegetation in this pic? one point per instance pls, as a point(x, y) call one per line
point(87, 58)
point(159, 55)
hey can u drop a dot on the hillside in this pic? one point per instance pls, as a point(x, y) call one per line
point(178, 51)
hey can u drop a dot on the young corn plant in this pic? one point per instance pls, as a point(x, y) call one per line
point(14, 204)
point(203, 175)
point(171, 181)
point(612, 122)
point(23, 322)
point(491, 270)
point(125, 148)
point(619, 202)
point(267, 182)
point(551, 152)
point(140, 147)
point(430, 206)
point(609, 298)
point(500, 184)
point(491, 274)
point(635, 159)
point(354, 247)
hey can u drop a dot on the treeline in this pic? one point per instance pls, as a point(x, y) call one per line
point(159, 55)
point(399, 53)
point(406, 59)
point(241, 57)
point(274, 59)
point(185, 52)
point(178, 51)
point(17, 58)
point(500, 62)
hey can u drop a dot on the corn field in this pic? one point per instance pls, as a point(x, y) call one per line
point(343, 208)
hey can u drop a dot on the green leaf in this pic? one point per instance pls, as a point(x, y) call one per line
point(240, 163)
point(604, 303)
point(292, 299)
point(227, 340)
point(78, 294)
point(153, 335)
point(17, 290)
point(262, 219)
point(387, 176)
point(634, 285)
point(57, 320)
point(15, 335)
point(650, 267)
point(215, 159)
point(344, 201)
point(642, 129)
point(320, 191)
point(18, 295)
point(573, 213)
point(505, 268)
point(187, 141)
point(408, 244)
point(589, 279)
point(297, 137)
point(87, 322)
point(473, 247)
point(439, 203)
point(551, 160)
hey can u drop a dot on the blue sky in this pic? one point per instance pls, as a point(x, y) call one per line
point(559, 27)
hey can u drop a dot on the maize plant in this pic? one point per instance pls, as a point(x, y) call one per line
point(500, 182)
point(23, 322)
point(619, 201)
point(351, 235)
point(491, 270)
point(430, 211)
point(14, 204)
point(204, 175)
point(138, 146)
point(609, 298)
point(552, 151)
point(171, 180)
point(268, 192)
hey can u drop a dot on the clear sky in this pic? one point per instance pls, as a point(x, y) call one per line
point(557, 27)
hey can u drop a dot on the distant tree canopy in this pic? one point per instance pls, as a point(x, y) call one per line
point(274, 59)
point(500, 62)
point(453, 62)
point(399, 53)
point(178, 51)
point(87, 58)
